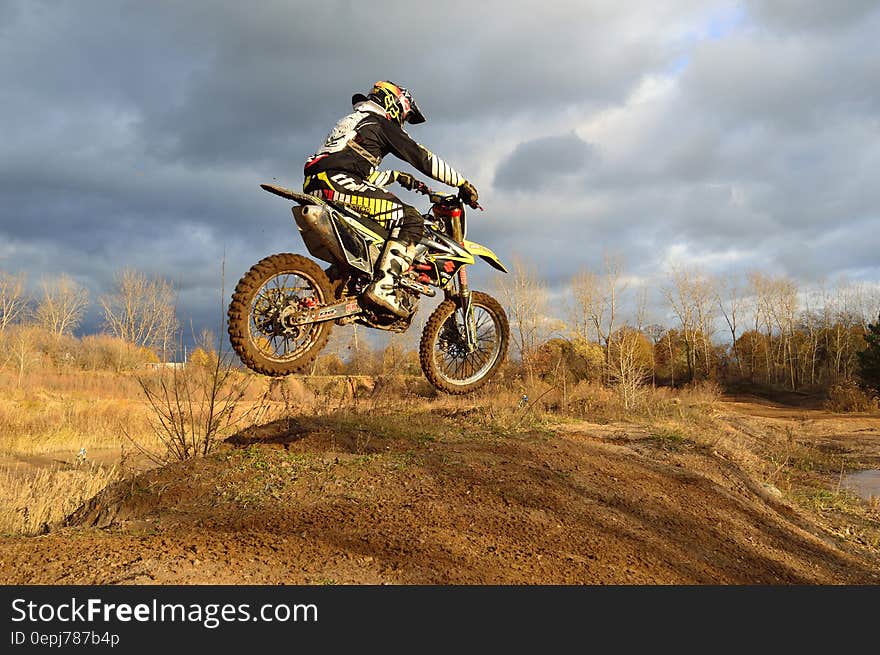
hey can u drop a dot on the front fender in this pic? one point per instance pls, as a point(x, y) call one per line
point(476, 249)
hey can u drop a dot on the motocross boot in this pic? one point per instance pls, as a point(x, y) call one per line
point(396, 260)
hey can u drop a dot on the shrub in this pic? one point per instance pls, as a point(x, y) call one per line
point(846, 396)
point(193, 408)
point(203, 358)
point(102, 352)
point(704, 394)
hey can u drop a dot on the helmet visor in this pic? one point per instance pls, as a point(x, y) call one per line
point(416, 116)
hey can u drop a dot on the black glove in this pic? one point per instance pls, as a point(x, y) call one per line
point(468, 194)
point(410, 183)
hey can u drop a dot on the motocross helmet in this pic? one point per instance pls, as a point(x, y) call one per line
point(397, 102)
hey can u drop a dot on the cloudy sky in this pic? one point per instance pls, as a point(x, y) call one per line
point(726, 135)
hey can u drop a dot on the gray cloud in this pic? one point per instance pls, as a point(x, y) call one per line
point(797, 15)
point(534, 164)
point(791, 84)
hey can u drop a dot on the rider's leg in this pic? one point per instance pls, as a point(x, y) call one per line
point(365, 198)
point(386, 208)
point(412, 226)
point(396, 259)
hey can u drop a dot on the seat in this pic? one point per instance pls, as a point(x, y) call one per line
point(308, 199)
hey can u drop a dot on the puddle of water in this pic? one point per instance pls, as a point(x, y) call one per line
point(865, 483)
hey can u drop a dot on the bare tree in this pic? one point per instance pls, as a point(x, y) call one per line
point(641, 307)
point(784, 309)
point(142, 310)
point(729, 296)
point(872, 306)
point(811, 325)
point(12, 299)
point(628, 364)
point(587, 306)
point(526, 298)
point(762, 292)
point(655, 333)
point(670, 347)
point(21, 348)
point(62, 304)
point(701, 290)
point(776, 308)
point(866, 303)
point(597, 301)
point(847, 323)
point(678, 294)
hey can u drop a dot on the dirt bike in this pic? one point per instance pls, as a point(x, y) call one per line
point(284, 307)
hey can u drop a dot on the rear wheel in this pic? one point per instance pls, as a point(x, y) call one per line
point(443, 352)
point(264, 307)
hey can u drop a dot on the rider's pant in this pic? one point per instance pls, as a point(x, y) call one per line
point(370, 200)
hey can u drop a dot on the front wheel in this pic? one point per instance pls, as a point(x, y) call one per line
point(262, 315)
point(443, 353)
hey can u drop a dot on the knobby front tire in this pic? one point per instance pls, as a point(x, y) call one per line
point(442, 353)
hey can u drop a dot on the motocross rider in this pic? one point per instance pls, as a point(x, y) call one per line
point(344, 170)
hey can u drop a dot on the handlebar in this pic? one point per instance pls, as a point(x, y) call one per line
point(436, 197)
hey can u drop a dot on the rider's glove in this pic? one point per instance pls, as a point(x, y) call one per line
point(410, 183)
point(468, 194)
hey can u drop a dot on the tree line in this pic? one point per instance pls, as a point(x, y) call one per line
point(690, 326)
point(139, 311)
point(605, 326)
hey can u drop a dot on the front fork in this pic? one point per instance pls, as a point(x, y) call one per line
point(467, 310)
point(464, 293)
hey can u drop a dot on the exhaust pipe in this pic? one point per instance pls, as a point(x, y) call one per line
point(317, 232)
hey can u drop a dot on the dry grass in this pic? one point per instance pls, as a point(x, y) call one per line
point(42, 425)
point(75, 384)
point(848, 397)
point(59, 413)
point(56, 411)
point(525, 405)
point(34, 498)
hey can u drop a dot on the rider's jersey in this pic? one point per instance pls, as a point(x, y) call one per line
point(359, 141)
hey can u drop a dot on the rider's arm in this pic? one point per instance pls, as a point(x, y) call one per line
point(382, 178)
point(419, 156)
point(407, 181)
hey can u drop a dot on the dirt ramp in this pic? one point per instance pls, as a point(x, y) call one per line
point(438, 500)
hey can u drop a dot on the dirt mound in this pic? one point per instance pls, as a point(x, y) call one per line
point(431, 499)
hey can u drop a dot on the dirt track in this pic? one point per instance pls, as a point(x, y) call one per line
point(318, 503)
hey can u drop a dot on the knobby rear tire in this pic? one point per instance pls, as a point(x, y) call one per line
point(239, 313)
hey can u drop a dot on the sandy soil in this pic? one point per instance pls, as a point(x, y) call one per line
point(317, 503)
